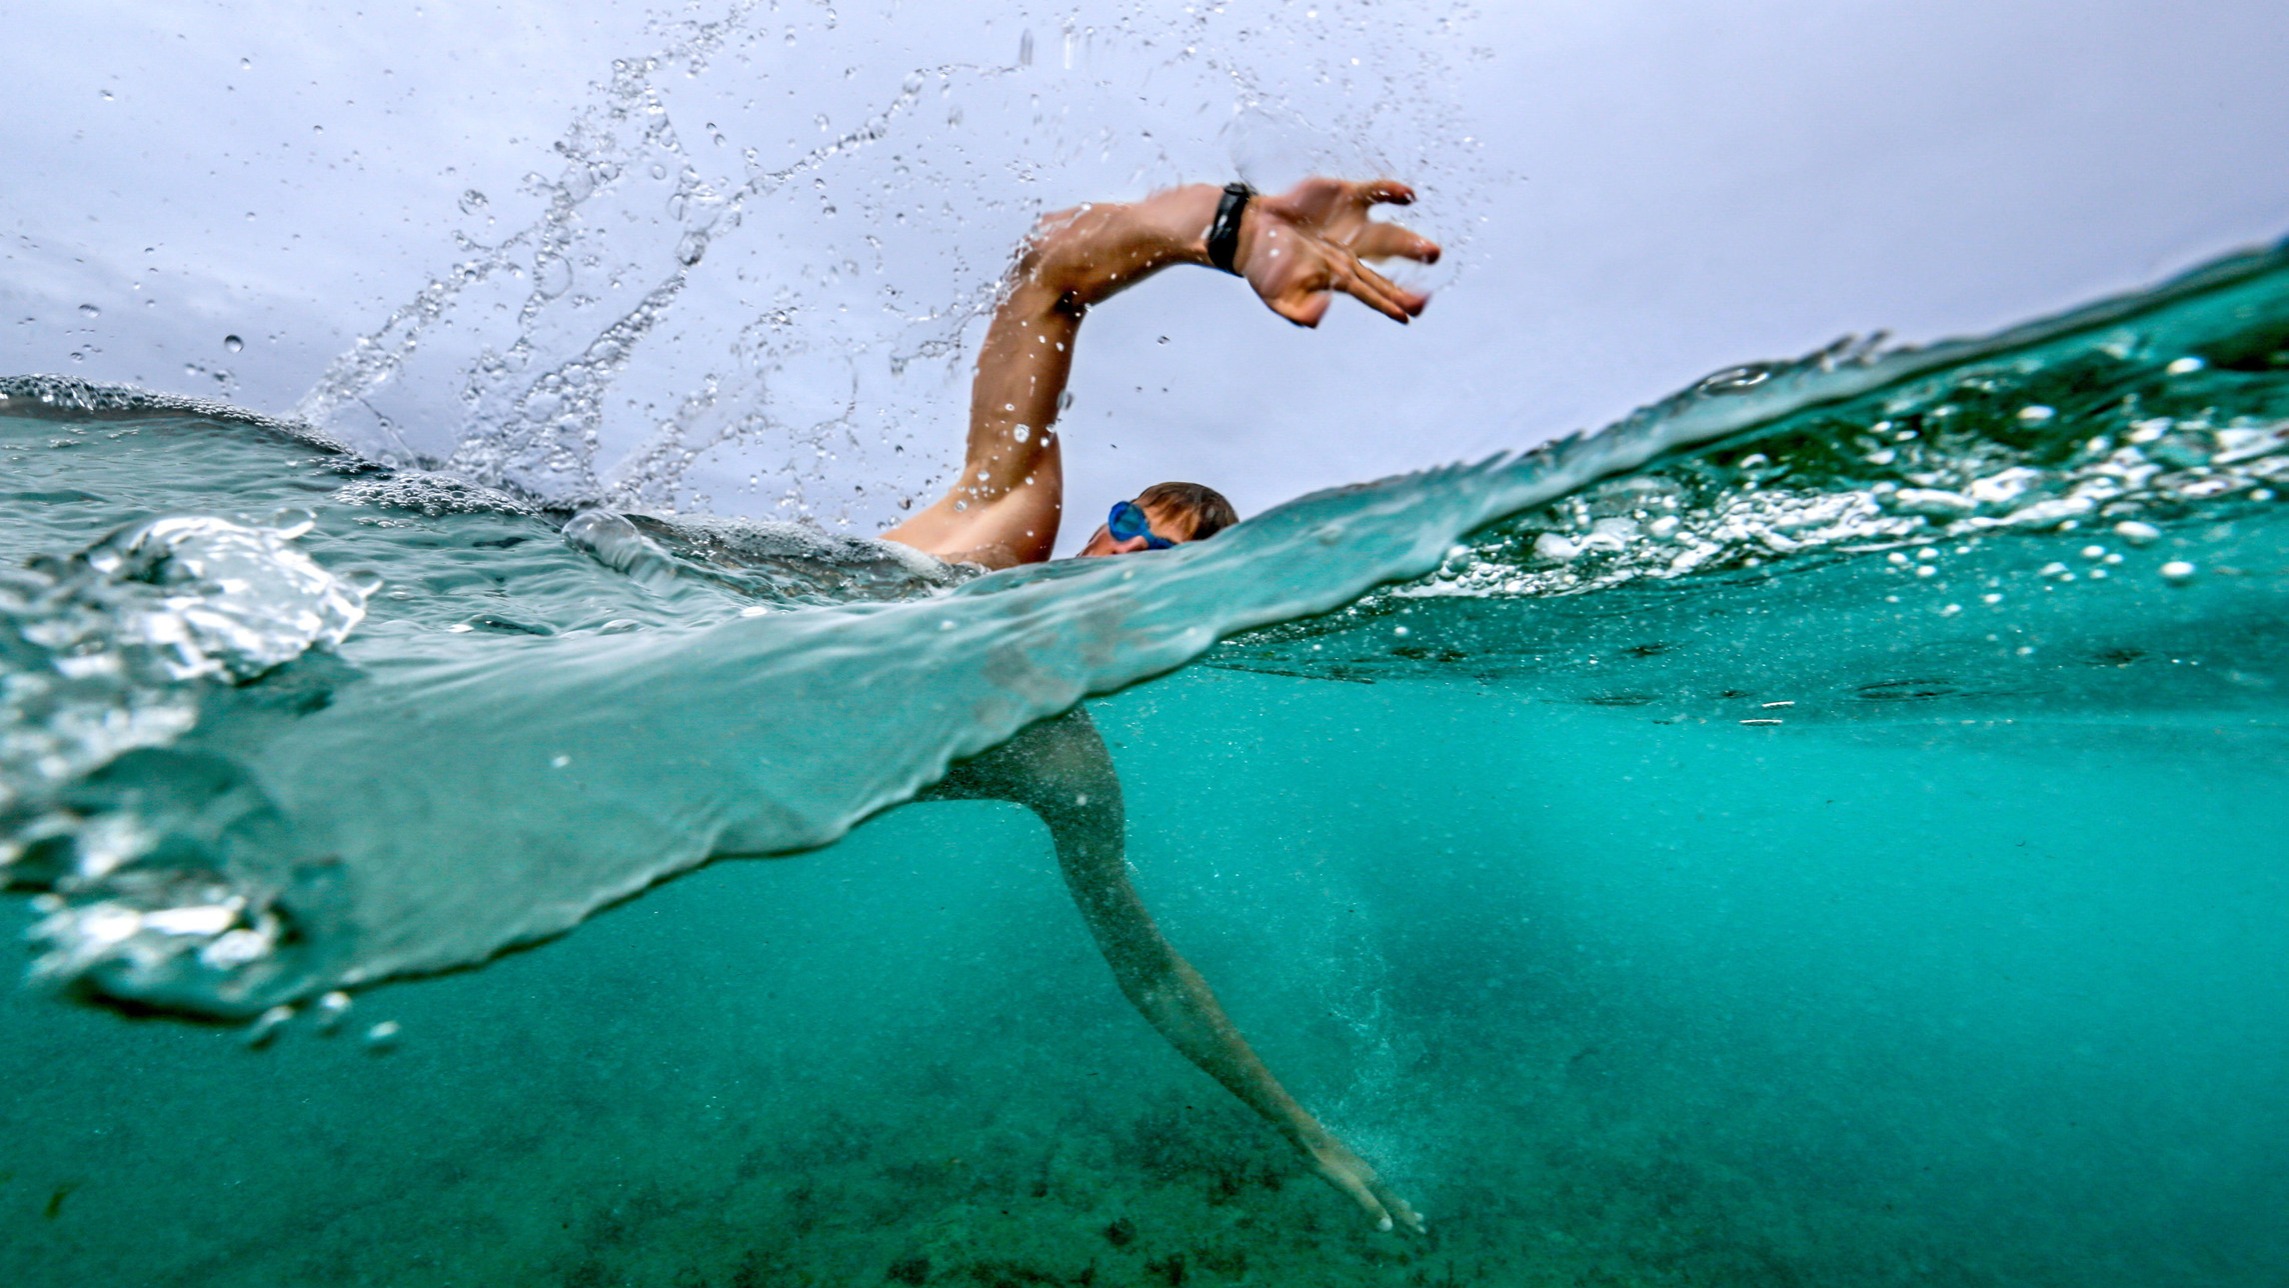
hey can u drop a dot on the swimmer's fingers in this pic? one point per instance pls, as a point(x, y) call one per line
point(1392, 241)
point(1379, 192)
point(1351, 1174)
point(1403, 1217)
point(1379, 292)
point(1304, 299)
point(1336, 207)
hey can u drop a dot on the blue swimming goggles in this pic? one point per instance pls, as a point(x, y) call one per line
point(1127, 522)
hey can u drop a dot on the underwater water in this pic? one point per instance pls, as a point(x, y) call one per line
point(1822, 829)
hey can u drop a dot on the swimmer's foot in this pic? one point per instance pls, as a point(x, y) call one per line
point(1350, 1173)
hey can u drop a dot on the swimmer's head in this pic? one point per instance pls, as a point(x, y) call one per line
point(1173, 514)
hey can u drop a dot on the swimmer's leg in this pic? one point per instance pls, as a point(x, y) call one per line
point(1060, 770)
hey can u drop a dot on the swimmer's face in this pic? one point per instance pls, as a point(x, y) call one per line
point(1169, 527)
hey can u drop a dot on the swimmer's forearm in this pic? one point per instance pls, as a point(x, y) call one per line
point(1179, 1004)
point(1084, 255)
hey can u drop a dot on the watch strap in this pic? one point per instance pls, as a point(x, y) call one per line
point(1224, 232)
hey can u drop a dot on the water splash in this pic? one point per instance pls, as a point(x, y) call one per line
point(1932, 463)
point(712, 312)
point(114, 651)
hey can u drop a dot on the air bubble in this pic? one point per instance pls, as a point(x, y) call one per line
point(266, 1027)
point(232, 344)
point(90, 311)
point(473, 201)
point(2178, 570)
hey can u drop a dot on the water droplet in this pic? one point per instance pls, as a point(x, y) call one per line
point(2137, 533)
point(473, 201)
point(291, 521)
point(2185, 366)
point(246, 64)
point(107, 96)
point(2037, 412)
point(90, 311)
point(2178, 570)
point(382, 1036)
point(1021, 432)
point(1735, 380)
point(232, 344)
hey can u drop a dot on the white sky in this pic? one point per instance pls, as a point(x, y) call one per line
point(1654, 190)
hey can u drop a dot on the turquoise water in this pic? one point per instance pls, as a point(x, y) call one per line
point(1816, 831)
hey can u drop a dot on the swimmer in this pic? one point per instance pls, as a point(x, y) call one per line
point(1296, 250)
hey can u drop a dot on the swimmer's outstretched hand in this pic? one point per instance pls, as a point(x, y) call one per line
point(1300, 246)
point(1350, 1173)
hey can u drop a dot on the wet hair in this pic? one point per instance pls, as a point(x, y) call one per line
point(1209, 511)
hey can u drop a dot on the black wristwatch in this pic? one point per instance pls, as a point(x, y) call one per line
point(1224, 232)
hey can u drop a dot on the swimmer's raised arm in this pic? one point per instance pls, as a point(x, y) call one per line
point(1295, 249)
